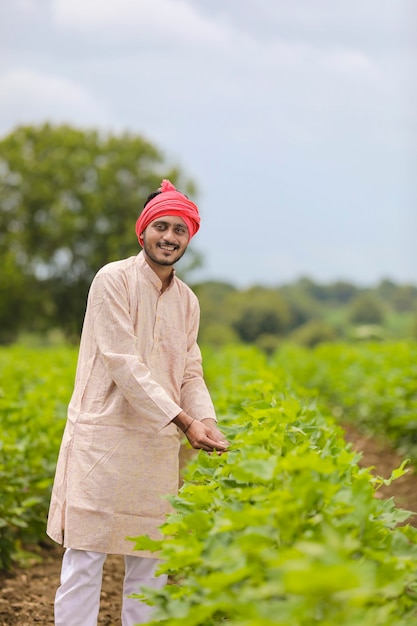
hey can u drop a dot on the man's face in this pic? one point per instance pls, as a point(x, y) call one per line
point(165, 239)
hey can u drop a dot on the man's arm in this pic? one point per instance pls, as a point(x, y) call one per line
point(202, 434)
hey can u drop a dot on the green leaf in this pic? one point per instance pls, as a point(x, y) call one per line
point(146, 543)
point(255, 470)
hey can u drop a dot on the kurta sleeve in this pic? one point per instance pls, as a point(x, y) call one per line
point(195, 397)
point(116, 342)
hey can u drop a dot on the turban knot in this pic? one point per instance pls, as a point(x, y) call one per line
point(169, 202)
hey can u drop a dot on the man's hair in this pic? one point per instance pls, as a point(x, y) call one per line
point(156, 193)
point(151, 197)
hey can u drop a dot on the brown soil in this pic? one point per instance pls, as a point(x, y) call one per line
point(376, 454)
point(27, 594)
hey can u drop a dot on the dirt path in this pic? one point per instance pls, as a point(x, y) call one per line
point(376, 454)
point(27, 595)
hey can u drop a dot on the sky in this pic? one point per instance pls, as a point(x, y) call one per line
point(296, 120)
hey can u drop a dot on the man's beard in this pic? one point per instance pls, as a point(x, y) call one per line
point(163, 262)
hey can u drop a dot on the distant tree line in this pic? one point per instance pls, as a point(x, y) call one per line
point(69, 199)
point(306, 312)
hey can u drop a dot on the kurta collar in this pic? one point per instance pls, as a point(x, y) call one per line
point(148, 272)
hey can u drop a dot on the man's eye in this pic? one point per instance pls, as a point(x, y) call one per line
point(181, 231)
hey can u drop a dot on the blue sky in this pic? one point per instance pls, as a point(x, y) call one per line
point(297, 120)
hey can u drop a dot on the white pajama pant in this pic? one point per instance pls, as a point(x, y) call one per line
point(77, 600)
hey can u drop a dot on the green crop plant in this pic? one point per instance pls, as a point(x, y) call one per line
point(372, 386)
point(34, 390)
point(285, 528)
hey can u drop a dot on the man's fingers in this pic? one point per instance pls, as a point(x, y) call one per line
point(210, 446)
point(215, 444)
point(206, 439)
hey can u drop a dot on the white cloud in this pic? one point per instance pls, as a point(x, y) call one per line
point(351, 64)
point(206, 62)
point(174, 20)
point(27, 96)
point(27, 5)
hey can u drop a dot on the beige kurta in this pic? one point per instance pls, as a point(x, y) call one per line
point(138, 366)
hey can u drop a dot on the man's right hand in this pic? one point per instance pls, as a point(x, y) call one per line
point(201, 435)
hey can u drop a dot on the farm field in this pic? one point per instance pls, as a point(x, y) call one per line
point(33, 403)
point(27, 594)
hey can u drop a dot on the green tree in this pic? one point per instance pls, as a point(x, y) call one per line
point(218, 335)
point(341, 291)
point(214, 305)
point(14, 290)
point(69, 200)
point(261, 311)
point(413, 327)
point(401, 298)
point(366, 309)
point(301, 298)
point(314, 332)
point(405, 298)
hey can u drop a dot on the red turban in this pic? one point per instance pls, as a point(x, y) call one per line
point(169, 202)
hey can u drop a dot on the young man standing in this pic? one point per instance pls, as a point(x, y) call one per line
point(139, 385)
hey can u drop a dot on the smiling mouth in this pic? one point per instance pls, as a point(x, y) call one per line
point(168, 247)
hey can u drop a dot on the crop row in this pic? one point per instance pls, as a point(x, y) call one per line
point(285, 529)
point(34, 391)
point(373, 386)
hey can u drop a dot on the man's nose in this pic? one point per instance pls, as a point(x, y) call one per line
point(170, 234)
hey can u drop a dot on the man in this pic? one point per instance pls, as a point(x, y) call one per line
point(139, 385)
